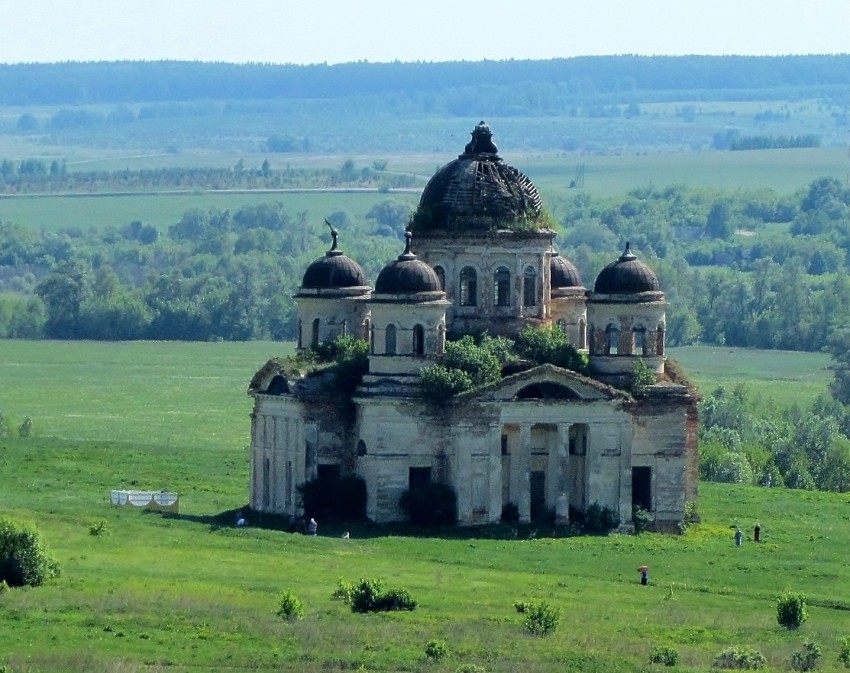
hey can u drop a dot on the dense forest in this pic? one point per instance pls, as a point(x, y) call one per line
point(549, 84)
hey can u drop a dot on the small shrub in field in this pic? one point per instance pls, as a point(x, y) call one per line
point(668, 656)
point(369, 596)
point(343, 592)
point(522, 607)
point(740, 658)
point(436, 650)
point(25, 428)
point(844, 652)
point(806, 659)
point(541, 619)
point(23, 556)
point(791, 610)
point(99, 528)
point(290, 607)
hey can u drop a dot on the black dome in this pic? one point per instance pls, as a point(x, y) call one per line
point(333, 271)
point(626, 275)
point(479, 192)
point(564, 273)
point(407, 275)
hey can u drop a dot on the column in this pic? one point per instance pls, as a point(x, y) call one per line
point(524, 473)
point(494, 500)
point(562, 500)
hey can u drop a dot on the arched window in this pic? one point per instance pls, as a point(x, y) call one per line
point(502, 287)
point(612, 340)
point(314, 336)
point(639, 341)
point(418, 340)
point(343, 328)
point(529, 287)
point(441, 339)
point(367, 324)
point(441, 276)
point(300, 327)
point(468, 287)
point(371, 339)
point(390, 340)
point(659, 340)
point(582, 334)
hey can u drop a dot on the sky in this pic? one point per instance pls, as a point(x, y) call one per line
point(341, 31)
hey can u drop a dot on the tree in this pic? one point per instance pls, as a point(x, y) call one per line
point(392, 215)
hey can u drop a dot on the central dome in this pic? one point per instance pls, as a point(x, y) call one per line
point(478, 192)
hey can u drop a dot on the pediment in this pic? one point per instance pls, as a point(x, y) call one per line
point(544, 383)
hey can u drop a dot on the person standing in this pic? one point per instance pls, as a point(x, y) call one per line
point(757, 533)
point(739, 537)
point(312, 527)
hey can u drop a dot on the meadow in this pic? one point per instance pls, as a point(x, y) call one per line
point(783, 171)
point(192, 592)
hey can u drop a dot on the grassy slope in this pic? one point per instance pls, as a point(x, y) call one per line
point(188, 593)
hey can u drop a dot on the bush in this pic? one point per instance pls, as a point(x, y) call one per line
point(436, 650)
point(541, 619)
point(844, 652)
point(343, 592)
point(470, 668)
point(664, 655)
point(25, 428)
point(600, 520)
point(440, 383)
point(429, 505)
point(791, 610)
point(99, 528)
point(740, 658)
point(550, 345)
point(24, 560)
point(806, 659)
point(290, 607)
point(369, 596)
point(642, 519)
point(522, 606)
point(642, 377)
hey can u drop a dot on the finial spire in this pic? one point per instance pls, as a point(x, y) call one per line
point(334, 237)
point(407, 254)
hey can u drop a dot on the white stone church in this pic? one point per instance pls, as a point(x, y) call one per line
point(480, 257)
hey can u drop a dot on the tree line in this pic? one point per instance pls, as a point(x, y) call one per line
point(643, 78)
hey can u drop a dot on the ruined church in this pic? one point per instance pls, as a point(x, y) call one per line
point(542, 440)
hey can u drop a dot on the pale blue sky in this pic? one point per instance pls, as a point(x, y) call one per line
point(334, 31)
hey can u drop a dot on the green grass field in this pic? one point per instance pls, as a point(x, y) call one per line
point(191, 592)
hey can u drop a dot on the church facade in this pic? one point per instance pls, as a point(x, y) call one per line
point(542, 439)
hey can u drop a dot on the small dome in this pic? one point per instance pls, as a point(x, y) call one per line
point(407, 275)
point(478, 192)
point(333, 271)
point(564, 273)
point(626, 275)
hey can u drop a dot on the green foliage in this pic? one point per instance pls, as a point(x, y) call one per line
point(25, 428)
point(806, 658)
point(351, 356)
point(99, 528)
point(844, 651)
point(470, 668)
point(642, 519)
point(541, 619)
point(431, 504)
point(344, 591)
point(550, 345)
point(334, 498)
point(522, 606)
point(24, 559)
point(290, 607)
point(740, 658)
point(440, 383)
point(369, 596)
point(791, 609)
point(478, 362)
point(600, 520)
point(436, 650)
point(642, 377)
point(668, 656)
